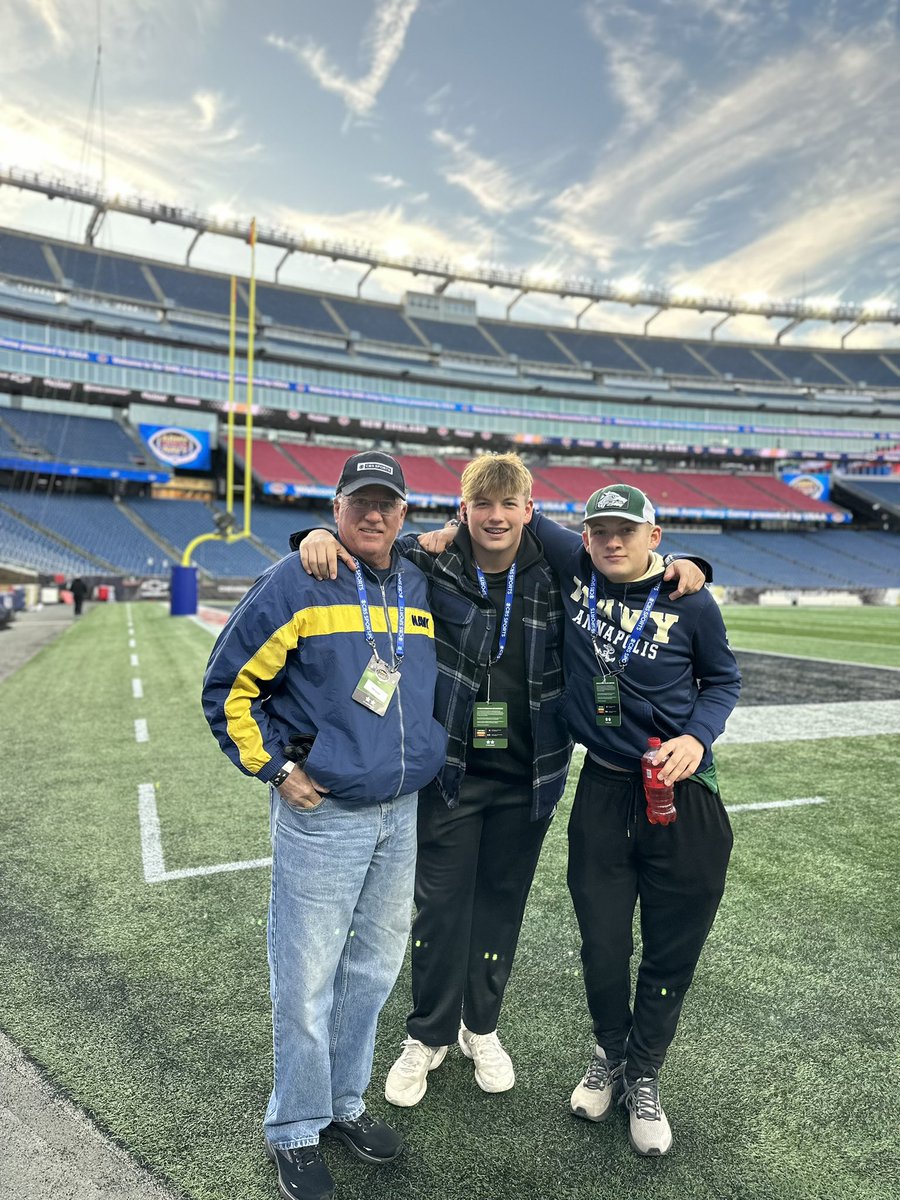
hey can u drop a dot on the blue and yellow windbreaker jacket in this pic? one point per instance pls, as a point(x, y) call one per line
point(287, 662)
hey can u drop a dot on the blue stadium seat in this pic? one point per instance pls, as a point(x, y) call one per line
point(297, 310)
point(671, 358)
point(740, 362)
point(197, 291)
point(97, 526)
point(22, 546)
point(96, 441)
point(376, 323)
point(178, 522)
point(529, 345)
point(456, 339)
point(864, 369)
point(23, 258)
point(802, 365)
point(601, 350)
point(109, 274)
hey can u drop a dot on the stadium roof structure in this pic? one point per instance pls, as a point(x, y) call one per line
point(522, 282)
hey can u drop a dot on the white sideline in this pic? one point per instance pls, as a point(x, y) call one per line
point(810, 722)
point(735, 808)
point(152, 852)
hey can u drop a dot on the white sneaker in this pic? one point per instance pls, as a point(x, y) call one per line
point(493, 1066)
point(407, 1079)
point(593, 1098)
point(648, 1129)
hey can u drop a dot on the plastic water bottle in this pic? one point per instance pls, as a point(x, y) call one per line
point(660, 798)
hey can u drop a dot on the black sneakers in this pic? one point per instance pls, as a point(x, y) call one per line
point(370, 1138)
point(302, 1175)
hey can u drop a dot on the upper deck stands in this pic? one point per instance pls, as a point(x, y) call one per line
point(24, 258)
point(107, 274)
point(62, 265)
point(377, 323)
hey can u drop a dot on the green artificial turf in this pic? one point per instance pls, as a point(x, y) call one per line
point(148, 1003)
point(856, 635)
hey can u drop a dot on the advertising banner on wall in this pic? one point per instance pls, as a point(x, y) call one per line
point(178, 446)
point(811, 483)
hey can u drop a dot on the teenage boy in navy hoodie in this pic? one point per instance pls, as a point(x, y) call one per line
point(639, 666)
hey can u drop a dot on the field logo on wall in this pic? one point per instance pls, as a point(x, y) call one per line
point(813, 486)
point(177, 446)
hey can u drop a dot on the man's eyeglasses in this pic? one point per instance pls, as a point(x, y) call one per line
point(362, 504)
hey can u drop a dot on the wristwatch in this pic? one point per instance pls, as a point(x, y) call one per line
point(277, 780)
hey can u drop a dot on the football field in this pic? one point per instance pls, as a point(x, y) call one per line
point(133, 860)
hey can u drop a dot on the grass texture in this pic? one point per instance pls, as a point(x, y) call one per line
point(148, 1004)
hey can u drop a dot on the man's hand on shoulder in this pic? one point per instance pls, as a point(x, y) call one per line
point(320, 552)
point(436, 541)
point(299, 791)
point(688, 576)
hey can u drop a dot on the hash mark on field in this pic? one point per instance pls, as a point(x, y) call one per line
point(137, 689)
point(134, 660)
point(141, 732)
point(733, 808)
point(131, 643)
point(152, 851)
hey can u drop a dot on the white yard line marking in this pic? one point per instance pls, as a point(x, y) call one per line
point(810, 722)
point(152, 852)
point(134, 660)
point(735, 808)
point(137, 689)
point(189, 872)
point(141, 732)
point(131, 643)
point(151, 842)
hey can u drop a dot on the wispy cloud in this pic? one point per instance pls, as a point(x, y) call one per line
point(168, 151)
point(38, 32)
point(383, 41)
point(792, 149)
point(494, 187)
point(392, 182)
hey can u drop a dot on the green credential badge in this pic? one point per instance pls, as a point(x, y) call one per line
point(606, 698)
point(490, 726)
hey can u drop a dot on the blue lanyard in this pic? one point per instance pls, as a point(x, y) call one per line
point(367, 618)
point(507, 606)
point(635, 636)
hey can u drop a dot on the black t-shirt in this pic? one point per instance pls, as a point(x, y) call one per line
point(508, 683)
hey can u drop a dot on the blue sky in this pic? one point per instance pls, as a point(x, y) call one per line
point(740, 147)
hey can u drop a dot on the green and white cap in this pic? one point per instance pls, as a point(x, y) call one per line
point(620, 500)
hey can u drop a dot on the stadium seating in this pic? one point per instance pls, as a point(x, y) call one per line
point(194, 290)
point(427, 475)
point(802, 366)
point(864, 370)
point(376, 322)
point(323, 464)
point(22, 546)
point(738, 362)
point(297, 310)
point(456, 339)
point(96, 525)
point(178, 522)
point(601, 350)
point(24, 258)
point(270, 462)
point(530, 344)
point(106, 274)
point(58, 437)
point(666, 357)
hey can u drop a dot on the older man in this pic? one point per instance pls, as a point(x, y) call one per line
point(326, 693)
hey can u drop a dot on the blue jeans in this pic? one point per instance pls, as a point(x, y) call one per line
point(339, 917)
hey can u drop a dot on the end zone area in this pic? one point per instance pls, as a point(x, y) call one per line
point(147, 1002)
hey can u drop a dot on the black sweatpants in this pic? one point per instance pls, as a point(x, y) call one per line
point(677, 871)
point(474, 870)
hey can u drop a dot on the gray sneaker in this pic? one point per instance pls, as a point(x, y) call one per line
point(593, 1098)
point(648, 1128)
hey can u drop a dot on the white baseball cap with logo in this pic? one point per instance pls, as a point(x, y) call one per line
point(620, 500)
